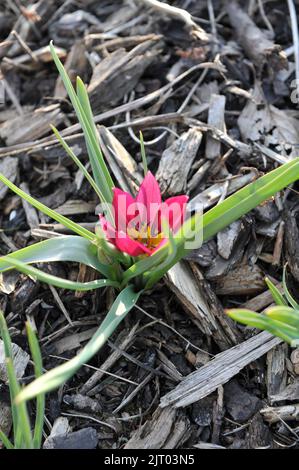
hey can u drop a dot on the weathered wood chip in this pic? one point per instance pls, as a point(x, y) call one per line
point(262, 300)
point(219, 370)
point(211, 195)
point(83, 439)
point(289, 393)
point(256, 44)
point(281, 413)
point(295, 360)
point(207, 445)
point(75, 65)
point(73, 341)
point(8, 281)
point(237, 239)
point(227, 238)
point(30, 211)
point(20, 361)
point(83, 403)
point(291, 239)
point(216, 119)
point(203, 306)
point(5, 418)
point(73, 207)
point(264, 123)
point(60, 427)
point(276, 371)
point(243, 280)
point(120, 161)
point(166, 430)
point(31, 126)
point(119, 73)
point(240, 404)
point(176, 162)
point(9, 168)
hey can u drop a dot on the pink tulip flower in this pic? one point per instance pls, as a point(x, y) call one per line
point(138, 221)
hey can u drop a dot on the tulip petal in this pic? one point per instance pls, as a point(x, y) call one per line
point(132, 247)
point(174, 210)
point(121, 204)
point(149, 195)
point(107, 228)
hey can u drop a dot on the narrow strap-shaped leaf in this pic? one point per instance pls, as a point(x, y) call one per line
point(55, 377)
point(8, 354)
point(143, 154)
point(143, 265)
point(98, 165)
point(277, 296)
point(287, 293)
point(249, 197)
point(71, 154)
point(6, 442)
point(50, 212)
point(235, 206)
point(84, 171)
point(59, 281)
point(101, 175)
point(21, 423)
point(257, 320)
point(285, 314)
point(62, 248)
point(40, 400)
point(21, 410)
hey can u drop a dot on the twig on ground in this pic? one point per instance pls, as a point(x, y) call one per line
point(179, 14)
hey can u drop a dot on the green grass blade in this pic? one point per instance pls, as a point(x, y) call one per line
point(58, 281)
point(54, 378)
point(287, 293)
point(256, 320)
point(21, 424)
point(21, 410)
point(95, 155)
point(5, 336)
point(84, 171)
point(248, 198)
point(85, 103)
point(100, 171)
point(78, 163)
point(63, 248)
point(143, 265)
point(285, 315)
point(4, 333)
point(277, 296)
point(6, 442)
point(40, 401)
point(50, 212)
point(143, 154)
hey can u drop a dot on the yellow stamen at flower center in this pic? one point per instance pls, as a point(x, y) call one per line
point(145, 236)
